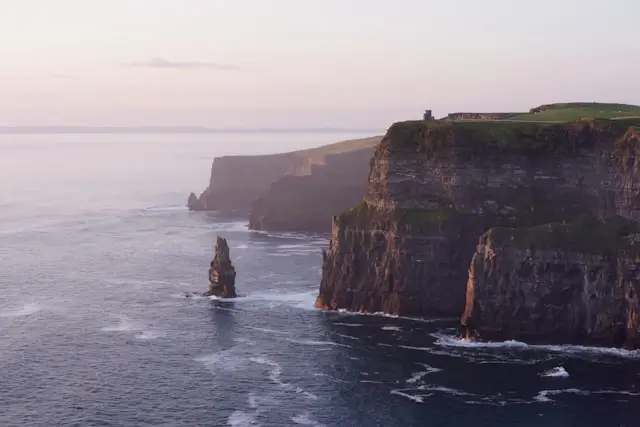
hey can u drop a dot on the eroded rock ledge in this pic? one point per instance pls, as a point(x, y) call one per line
point(436, 186)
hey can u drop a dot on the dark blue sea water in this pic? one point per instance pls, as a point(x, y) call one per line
point(96, 249)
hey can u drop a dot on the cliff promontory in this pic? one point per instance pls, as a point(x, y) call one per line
point(274, 190)
point(307, 203)
point(435, 187)
point(573, 282)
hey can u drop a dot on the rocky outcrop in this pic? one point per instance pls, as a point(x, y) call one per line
point(307, 203)
point(435, 186)
point(556, 283)
point(193, 203)
point(236, 181)
point(222, 274)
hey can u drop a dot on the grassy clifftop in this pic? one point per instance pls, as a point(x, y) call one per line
point(585, 234)
point(557, 113)
point(484, 136)
point(564, 112)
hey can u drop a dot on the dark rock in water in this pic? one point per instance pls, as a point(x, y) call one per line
point(222, 274)
point(194, 204)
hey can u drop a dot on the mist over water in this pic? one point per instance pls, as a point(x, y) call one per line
point(97, 248)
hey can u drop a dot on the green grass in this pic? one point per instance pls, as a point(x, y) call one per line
point(565, 112)
point(319, 154)
point(362, 215)
point(585, 234)
point(481, 136)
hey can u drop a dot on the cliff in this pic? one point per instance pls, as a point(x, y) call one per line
point(307, 203)
point(436, 186)
point(236, 181)
point(577, 282)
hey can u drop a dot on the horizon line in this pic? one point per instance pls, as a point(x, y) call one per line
point(44, 129)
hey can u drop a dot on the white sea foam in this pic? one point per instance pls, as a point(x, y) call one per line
point(391, 328)
point(556, 372)
point(415, 398)
point(276, 372)
point(446, 390)
point(225, 360)
point(349, 337)
point(125, 324)
point(417, 376)
point(232, 226)
point(242, 246)
point(242, 419)
point(409, 347)
point(544, 395)
point(25, 310)
point(316, 343)
point(394, 316)
point(150, 335)
point(306, 420)
point(351, 325)
point(269, 331)
point(451, 341)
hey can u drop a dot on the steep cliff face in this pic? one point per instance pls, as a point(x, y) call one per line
point(434, 187)
point(237, 181)
point(307, 203)
point(577, 282)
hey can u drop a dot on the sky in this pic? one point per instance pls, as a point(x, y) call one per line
point(307, 63)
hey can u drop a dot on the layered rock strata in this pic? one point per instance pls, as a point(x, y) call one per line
point(555, 283)
point(237, 181)
point(435, 186)
point(222, 274)
point(307, 203)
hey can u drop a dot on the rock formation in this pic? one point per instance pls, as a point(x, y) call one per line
point(237, 181)
point(222, 274)
point(436, 186)
point(193, 203)
point(576, 282)
point(307, 203)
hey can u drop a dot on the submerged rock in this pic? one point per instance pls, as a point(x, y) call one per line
point(222, 274)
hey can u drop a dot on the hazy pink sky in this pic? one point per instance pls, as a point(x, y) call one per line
point(307, 62)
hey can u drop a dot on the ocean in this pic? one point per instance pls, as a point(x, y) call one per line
point(97, 249)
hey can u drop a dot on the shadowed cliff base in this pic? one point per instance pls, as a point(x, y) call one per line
point(435, 186)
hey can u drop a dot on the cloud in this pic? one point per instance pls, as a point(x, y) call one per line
point(182, 65)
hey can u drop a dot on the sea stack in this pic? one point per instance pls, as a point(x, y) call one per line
point(222, 274)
